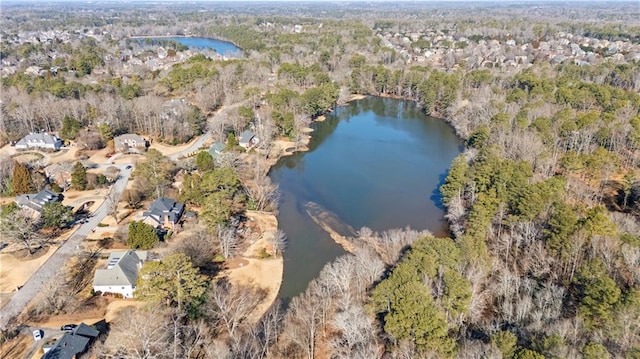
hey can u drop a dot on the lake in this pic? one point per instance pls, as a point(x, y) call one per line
point(377, 162)
point(222, 47)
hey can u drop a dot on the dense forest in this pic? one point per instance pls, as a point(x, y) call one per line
point(543, 204)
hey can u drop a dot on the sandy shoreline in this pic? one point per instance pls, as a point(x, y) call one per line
point(268, 273)
point(258, 272)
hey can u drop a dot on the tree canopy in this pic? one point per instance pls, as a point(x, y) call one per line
point(142, 235)
point(172, 281)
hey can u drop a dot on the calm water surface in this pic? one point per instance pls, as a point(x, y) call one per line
point(375, 162)
point(222, 47)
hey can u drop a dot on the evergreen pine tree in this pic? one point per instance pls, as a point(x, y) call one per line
point(22, 181)
point(79, 177)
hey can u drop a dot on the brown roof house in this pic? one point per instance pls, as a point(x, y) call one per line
point(130, 143)
point(59, 173)
point(121, 273)
point(165, 212)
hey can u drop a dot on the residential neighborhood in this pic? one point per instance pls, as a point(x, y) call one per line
point(436, 48)
point(88, 184)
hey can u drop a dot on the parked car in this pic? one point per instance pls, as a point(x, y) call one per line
point(37, 334)
point(128, 167)
point(68, 327)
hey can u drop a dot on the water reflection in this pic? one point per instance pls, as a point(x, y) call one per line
point(375, 162)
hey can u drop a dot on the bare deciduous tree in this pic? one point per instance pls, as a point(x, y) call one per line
point(112, 205)
point(140, 333)
point(18, 227)
point(56, 297)
point(133, 197)
point(356, 334)
point(198, 246)
point(265, 193)
point(6, 172)
point(228, 241)
point(278, 242)
point(390, 243)
point(231, 305)
point(268, 328)
point(218, 349)
point(90, 140)
point(301, 325)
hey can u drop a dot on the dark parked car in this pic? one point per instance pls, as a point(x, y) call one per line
point(68, 327)
point(128, 167)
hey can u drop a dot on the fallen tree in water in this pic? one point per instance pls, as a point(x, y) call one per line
point(338, 230)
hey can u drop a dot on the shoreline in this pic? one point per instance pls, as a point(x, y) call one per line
point(284, 148)
point(265, 274)
point(186, 36)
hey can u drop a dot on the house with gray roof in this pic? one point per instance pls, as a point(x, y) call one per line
point(248, 139)
point(216, 149)
point(165, 212)
point(34, 202)
point(129, 142)
point(71, 344)
point(121, 273)
point(43, 141)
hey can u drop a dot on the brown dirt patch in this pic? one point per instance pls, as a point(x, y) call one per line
point(15, 271)
point(27, 157)
point(7, 150)
point(101, 308)
point(236, 262)
point(99, 156)
point(117, 305)
point(17, 347)
point(4, 299)
point(262, 273)
point(24, 255)
point(70, 154)
point(128, 158)
point(357, 97)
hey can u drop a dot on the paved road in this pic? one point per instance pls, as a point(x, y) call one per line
point(195, 146)
point(56, 262)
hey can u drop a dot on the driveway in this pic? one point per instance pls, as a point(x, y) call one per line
point(196, 145)
point(57, 260)
point(49, 333)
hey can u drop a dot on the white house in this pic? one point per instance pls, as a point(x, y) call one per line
point(121, 273)
point(39, 140)
point(129, 142)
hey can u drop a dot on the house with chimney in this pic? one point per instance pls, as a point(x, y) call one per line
point(164, 212)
